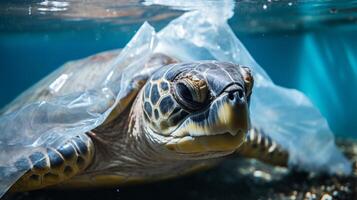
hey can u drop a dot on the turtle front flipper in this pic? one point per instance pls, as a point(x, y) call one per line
point(261, 147)
point(50, 166)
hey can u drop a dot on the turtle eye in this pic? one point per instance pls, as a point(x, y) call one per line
point(191, 93)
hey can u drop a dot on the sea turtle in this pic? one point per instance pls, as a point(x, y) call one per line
point(182, 117)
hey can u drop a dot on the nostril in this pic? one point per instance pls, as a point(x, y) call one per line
point(231, 96)
point(237, 94)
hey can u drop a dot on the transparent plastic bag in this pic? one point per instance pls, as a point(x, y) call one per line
point(284, 114)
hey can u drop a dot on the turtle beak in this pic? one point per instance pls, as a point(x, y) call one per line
point(234, 113)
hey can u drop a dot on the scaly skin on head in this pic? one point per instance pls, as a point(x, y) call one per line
point(208, 112)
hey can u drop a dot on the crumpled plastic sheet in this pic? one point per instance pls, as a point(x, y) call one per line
point(286, 115)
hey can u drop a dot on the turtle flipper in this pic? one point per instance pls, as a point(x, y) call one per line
point(50, 166)
point(261, 147)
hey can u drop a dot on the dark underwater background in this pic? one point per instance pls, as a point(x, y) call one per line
point(310, 45)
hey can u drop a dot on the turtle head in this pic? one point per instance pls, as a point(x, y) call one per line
point(198, 108)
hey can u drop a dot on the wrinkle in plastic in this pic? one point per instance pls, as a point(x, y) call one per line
point(284, 114)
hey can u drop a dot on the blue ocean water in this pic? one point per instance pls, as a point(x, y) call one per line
point(307, 45)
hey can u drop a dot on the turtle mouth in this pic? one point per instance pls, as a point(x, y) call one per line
point(222, 117)
point(224, 142)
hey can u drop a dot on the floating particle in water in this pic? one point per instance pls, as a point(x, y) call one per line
point(333, 10)
point(290, 4)
point(98, 36)
point(265, 6)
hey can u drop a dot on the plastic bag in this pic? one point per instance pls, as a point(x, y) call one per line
point(286, 115)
